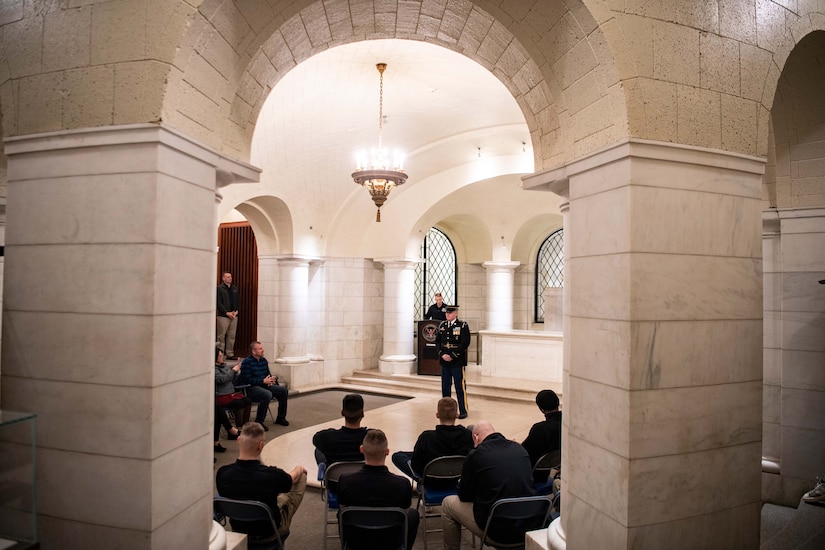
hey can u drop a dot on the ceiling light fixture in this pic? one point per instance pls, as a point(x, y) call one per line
point(376, 173)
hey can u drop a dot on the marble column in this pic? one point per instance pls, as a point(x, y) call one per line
point(398, 356)
point(108, 330)
point(500, 282)
point(794, 392)
point(663, 400)
point(268, 301)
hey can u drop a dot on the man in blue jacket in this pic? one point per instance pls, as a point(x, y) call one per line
point(263, 385)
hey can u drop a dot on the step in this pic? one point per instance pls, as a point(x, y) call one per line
point(487, 389)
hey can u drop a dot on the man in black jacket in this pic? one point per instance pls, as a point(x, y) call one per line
point(227, 315)
point(497, 468)
point(545, 437)
point(446, 439)
point(248, 479)
point(374, 485)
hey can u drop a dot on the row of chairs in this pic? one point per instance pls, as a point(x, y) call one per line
point(529, 513)
point(439, 480)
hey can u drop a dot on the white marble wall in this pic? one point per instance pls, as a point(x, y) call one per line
point(794, 422)
point(524, 290)
point(663, 400)
point(108, 326)
point(353, 336)
point(472, 297)
point(268, 303)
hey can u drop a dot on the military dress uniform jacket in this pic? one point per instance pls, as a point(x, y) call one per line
point(453, 341)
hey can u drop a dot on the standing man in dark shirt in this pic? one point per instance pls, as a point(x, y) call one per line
point(452, 340)
point(343, 444)
point(497, 468)
point(374, 485)
point(227, 315)
point(446, 439)
point(436, 311)
point(545, 437)
point(248, 479)
point(263, 386)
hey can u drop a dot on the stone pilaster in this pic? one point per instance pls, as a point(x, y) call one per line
point(663, 270)
point(108, 330)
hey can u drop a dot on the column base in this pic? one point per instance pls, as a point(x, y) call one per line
point(551, 538)
point(300, 373)
point(397, 364)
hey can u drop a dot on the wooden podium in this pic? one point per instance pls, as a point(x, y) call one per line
point(427, 350)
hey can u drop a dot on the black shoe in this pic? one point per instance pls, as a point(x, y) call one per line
point(220, 448)
point(231, 437)
point(462, 416)
point(263, 426)
point(282, 421)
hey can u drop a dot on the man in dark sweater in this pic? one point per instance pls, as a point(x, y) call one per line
point(343, 444)
point(545, 437)
point(446, 439)
point(374, 485)
point(228, 301)
point(248, 479)
point(497, 468)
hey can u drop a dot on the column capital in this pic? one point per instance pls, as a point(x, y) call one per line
point(295, 260)
point(500, 266)
point(403, 263)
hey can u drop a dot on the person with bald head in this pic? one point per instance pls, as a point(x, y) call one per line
point(496, 468)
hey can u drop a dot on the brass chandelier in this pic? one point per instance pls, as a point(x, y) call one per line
point(376, 172)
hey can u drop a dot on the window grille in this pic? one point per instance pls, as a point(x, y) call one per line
point(549, 269)
point(437, 274)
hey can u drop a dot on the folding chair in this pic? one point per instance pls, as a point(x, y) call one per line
point(511, 518)
point(329, 488)
point(549, 464)
point(439, 480)
point(243, 387)
point(249, 510)
point(368, 523)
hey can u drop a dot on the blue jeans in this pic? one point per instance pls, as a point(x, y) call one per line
point(401, 459)
point(263, 395)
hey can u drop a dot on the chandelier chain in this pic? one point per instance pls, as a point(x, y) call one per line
point(380, 108)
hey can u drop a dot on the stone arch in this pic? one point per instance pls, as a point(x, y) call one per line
point(539, 67)
point(792, 95)
point(272, 223)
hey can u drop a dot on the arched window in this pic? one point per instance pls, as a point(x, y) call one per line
point(549, 268)
point(437, 274)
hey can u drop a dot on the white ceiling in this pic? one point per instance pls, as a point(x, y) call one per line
point(439, 108)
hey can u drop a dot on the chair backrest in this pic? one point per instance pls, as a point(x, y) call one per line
point(367, 527)
point(329, 485)
point(442, 473)
point(248, 511)
point(511, 518)
point(548, 462)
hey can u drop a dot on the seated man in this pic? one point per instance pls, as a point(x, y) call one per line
point(497, 468)
point(544, 437)
point(446, 439)
point(374, 485)
point(343, 444)
point(263, 386)
point(248, 479)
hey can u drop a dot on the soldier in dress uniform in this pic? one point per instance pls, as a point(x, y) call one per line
point(453, 339)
